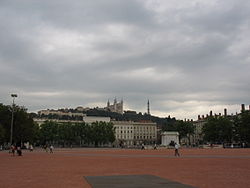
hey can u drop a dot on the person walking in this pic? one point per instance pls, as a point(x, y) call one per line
point(142, 146)
point(155, 147)
point(176, 150)
point(19, 151)
point(12, 150)
point(51, 148)
point(31, 148)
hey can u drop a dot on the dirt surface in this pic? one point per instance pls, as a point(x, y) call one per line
point(203, 168)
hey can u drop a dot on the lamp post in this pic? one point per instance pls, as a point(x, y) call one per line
point(12, 118)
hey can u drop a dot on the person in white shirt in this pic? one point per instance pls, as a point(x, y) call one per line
point(51, 148)
point(176, 151)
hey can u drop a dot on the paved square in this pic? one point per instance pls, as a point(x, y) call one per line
point(133, 181)
point(66, 168)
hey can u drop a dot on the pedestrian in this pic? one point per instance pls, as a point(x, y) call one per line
point(31, 148)
point(19, 151)
point(155, 147)
point(142, 146)
point(46, 148)
point(13, 148)
point(51, 148)
point(176, 150)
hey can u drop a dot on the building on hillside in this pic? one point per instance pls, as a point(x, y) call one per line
point(116, 107)
point(60, 113)
point(86, 119)
point(168, 137)
point(92, 119)
point(40, 121)
point(129, 133)
point(82, 109)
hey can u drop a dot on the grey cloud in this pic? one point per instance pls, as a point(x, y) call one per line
point(61, 53)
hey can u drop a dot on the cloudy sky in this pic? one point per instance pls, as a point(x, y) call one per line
point(187, 56)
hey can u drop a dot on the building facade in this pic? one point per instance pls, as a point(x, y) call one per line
point(60, 113)
point(86, 119)
point(129, 133)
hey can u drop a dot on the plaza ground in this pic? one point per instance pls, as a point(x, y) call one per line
point(203, 168)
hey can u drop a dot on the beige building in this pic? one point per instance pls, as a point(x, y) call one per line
point(60, 113)
point(40, 121)
point(130, 133)
point(86, 119)
point(92, 119)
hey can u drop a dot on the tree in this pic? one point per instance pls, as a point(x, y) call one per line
point(2, 134)
point(24, 128)
point(218, 129)
point(242, 127)
point(184, 128)
point(101, 133)
point(79, 132)
point(66, 133)
point(49, 132)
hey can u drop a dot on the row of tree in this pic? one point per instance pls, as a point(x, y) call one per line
point(216, 129)
point(228, 129)
point(26, 130)
point(66, 134)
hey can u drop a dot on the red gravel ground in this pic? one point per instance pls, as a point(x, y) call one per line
point(203, 168)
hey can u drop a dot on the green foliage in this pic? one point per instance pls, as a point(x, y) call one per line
point(102, 133)
point(24, 128)
point(218, 129)
point(184, 128)
point(69, 133)
point(49, 132)
point(2, 134)
point(242, 127)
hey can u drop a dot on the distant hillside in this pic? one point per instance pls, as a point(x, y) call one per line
point(126, 116)
point(131, 116)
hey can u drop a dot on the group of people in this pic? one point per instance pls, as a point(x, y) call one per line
point(16, 149)
point(48, 148)
point(176, 149)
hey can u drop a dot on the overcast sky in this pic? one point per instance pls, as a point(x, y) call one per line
point(187, 56)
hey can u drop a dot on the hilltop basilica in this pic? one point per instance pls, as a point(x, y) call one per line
point(116, 107)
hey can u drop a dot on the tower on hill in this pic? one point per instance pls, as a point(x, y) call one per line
point(116, 107)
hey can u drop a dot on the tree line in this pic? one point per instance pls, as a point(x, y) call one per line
point(220, 129)
point(65, 134)
point(217, 129)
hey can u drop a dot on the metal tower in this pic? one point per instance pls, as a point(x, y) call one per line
point(148, 108)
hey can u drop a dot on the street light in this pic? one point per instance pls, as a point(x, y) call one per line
point(12, 118)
